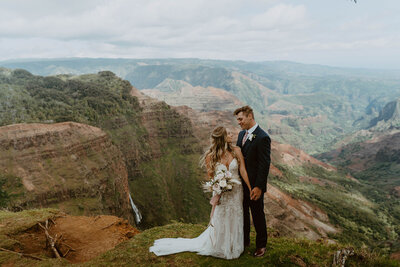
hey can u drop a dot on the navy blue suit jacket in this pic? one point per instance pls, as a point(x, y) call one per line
point(257, 157)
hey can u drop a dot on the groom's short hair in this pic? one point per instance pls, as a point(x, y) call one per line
point(246, 111)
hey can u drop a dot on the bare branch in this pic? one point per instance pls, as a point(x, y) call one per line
point(21, 254)
point(50, 239)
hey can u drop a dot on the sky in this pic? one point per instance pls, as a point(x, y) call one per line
point(329, 32)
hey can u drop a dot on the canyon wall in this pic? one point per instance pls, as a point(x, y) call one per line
point(72, 166)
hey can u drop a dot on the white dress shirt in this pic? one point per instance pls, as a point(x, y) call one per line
point(251, 130)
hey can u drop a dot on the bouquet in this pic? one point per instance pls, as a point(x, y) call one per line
point(221, 182)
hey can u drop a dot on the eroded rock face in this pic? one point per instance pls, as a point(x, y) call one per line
point(160, 188)
point(68, 165)
point(291, 156)
point(205, 121)
point(178, 93)
point(164, 122)
point(294, 217)
point(384, 147)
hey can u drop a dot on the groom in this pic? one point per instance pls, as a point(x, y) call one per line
point(256, 148)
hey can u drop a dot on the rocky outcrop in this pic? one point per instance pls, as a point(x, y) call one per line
point(163, 122)
point(389, 117)
point(362, 155)
point(68, 165)
point(166, 186)
point(205, 121)
point(179, 93)
point(294, 217)
point(291, 156)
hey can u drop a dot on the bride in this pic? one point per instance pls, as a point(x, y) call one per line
point(223, 238)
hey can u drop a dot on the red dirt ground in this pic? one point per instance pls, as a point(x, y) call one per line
point(88, 236)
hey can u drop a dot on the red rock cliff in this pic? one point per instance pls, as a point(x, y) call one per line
point(67, 165)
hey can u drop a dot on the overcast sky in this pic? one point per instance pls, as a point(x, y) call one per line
point(328, 32)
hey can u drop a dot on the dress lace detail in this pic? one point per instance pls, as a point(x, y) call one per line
point(224, 237)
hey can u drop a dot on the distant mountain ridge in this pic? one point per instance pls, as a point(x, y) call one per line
point(373, 154)
point(290, 98)
point(178, 93)
point(389, 116)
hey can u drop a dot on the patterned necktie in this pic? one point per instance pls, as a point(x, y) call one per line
point(244, 138)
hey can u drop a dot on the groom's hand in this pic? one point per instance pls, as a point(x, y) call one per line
point(255, 194)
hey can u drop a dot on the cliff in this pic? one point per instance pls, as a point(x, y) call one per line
point(68, 165)
point(167, 185)
point(373, 154)
point(154, 144)
point(389, 117)
point(296, 217)
point(177, 93)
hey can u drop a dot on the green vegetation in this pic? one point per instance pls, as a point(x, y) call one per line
point(383, 175)
point(280, 252)
point(91, 99)
point(135, 252)
point(342, 95)
point(364, 219)
point(170, 188)
point(103, 100)
point(13, 223)
point(163, 173)
point(10, 188)
point(378, 162)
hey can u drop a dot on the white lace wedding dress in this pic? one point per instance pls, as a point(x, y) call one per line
point(224, 237)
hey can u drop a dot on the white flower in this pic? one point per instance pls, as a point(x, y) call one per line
point(216, 187)
point(219, 176)
point(251, 136)
point(223, 183)
point(229, 187)
point(228, 174)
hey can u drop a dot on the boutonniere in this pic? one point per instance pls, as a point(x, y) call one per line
point(252, 136)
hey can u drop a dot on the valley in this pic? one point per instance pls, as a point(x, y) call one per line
point(82, 142)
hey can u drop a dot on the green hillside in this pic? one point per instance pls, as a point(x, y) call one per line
point(352, 206)
point(104, 100)
point(135, 252)
point(165, 185)
point(346, 98)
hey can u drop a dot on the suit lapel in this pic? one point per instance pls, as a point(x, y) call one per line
point(240, 139)
point(247, 144)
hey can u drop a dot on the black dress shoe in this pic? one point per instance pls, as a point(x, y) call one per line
point(259, 252)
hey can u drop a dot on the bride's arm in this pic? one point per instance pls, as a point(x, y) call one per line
point(242, 169)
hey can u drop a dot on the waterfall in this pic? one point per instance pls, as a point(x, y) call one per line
point(138, 216)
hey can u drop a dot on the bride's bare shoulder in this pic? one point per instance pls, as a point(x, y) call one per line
point(237, 149)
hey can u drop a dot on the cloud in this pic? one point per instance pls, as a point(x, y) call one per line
point(287, 16)
point(238, 29)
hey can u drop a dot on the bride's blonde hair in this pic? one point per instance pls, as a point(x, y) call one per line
point(219, 146)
